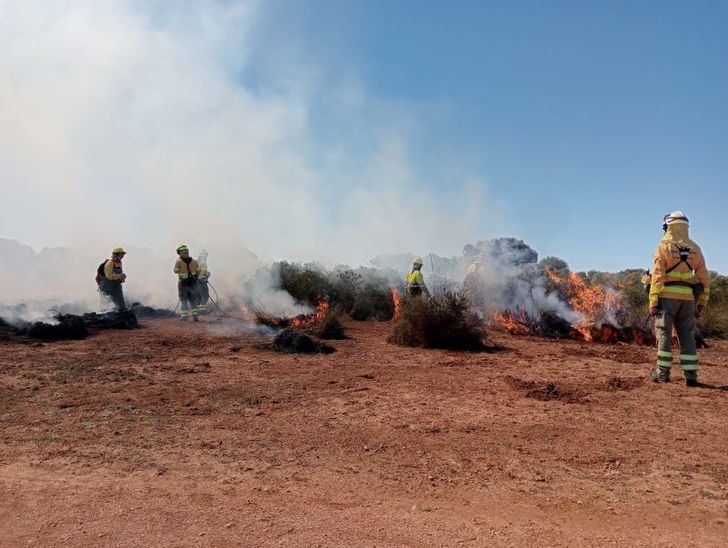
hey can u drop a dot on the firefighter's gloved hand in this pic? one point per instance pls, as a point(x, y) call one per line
point(123, 277)
point(654, 310)
point(699, 310)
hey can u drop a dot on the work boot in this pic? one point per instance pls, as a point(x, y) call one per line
point(691, 379)
point(195, 319)
point(660, 374)
point(183, 318)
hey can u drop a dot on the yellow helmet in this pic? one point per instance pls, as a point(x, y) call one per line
point(181, 248)
point(118, 250)
point(418, 260)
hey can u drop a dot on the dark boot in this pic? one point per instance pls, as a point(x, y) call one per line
point(195, 318)
point(691, 378)
point(660, 374)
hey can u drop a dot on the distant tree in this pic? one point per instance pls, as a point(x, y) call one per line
point(553, 263)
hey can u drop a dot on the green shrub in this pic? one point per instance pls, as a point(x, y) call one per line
point(442, 321)
point(305, 283)
point(373, 302)
point(714, 321)
point(344, 286)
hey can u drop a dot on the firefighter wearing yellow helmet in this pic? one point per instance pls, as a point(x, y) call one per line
point(679, 291)
point(187, 270)
point(110, 276)
point(415, 281)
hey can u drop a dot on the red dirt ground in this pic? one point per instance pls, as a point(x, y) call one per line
point(185, 434)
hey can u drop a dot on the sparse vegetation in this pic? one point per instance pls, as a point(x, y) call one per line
point(442, 321)
point(362, 293)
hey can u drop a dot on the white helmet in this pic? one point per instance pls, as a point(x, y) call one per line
point(676, 217)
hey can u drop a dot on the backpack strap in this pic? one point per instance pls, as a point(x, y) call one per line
point(684, 255)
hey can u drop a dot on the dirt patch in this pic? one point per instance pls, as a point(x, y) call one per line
point(547, 391)
point(620, 383)
point(180, 434)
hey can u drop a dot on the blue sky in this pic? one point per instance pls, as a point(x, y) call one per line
point(587, 121)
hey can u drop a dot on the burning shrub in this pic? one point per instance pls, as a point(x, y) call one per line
point(373, 302)
point(330, 326)
point(443, 321)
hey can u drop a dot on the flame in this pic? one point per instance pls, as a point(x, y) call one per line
point(397, 304)
point(247, 314)
point(594, 305)
point(515, 324)
point(303, 321)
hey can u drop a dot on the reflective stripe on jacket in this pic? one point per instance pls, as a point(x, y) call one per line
point(183, 270)
point(679, 282)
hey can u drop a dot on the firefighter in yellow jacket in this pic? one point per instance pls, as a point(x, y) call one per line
point(679, 291)
point(110, 276)
point(415, 281)
point(187, 270)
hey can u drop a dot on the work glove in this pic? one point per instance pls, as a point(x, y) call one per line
point(654, 310)
point(123, 277)
point(699, 310)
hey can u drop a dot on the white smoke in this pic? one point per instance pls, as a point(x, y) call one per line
point(135, 123)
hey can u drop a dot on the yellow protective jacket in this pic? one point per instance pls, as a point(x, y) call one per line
point(112, 270)
point(673, 277)
point(415, 280)
point(183, 270)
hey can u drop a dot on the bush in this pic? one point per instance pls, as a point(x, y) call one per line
point(373, 302)
point(443, 321)
point(330, 326)
point(714, 322)
point(305, 283)
point(344, 285)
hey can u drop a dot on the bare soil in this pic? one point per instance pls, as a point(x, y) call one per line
point(191, 434)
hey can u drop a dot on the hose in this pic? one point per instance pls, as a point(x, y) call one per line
point(213, 301)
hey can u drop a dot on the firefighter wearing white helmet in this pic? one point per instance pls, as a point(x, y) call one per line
point(679, 291)
point(415, 281)
point(110, 276)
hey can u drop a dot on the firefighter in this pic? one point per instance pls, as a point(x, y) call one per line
point(415, 281)
point(646, 281)
point(187, 270)
point(203, 289)
point(110, 276)
point(679, 291)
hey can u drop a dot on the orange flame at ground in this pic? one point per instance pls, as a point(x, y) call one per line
point(593, 304)
point(247, 314)
point(512, 323)
point(397, 304)
point(302, 322)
